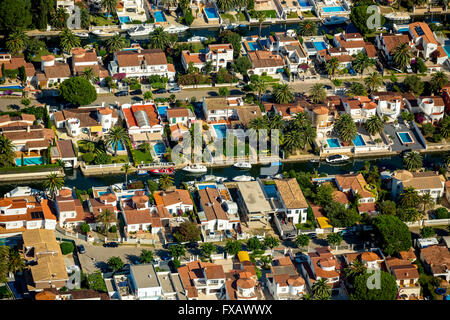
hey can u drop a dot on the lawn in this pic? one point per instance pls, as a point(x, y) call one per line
point(269, 79)
point(269, 13)
point(30, 168)
point(308, 14)
point(44, 52)
point(120, 159)
point(241, 16)
point(228, 16)
point(292, 15)
point(98, 20)
point(142, 156)
point(197, 46)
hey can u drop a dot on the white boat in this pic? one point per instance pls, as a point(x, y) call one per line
point(230, 26)
point(195, 168)
point(197, 39)
point(398, 16)
point(243, 178)
point(82, 34)
point(336, 158)
point(104, 33)
point(176, 29)
point(208, 177)
point(141, 172)
point(140, 31)
point(314, 160)
point(333, 20)
point(242, 165)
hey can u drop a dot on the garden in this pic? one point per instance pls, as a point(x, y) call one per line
point(94, 152)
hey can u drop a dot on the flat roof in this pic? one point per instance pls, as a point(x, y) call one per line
point(253, 196)
point(145, 276)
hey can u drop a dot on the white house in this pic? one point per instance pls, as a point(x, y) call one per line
point(265, 62)
point(53, 71)
point(387, 43)
point(211, 214)
point(137, 215)
point(423, 182)
point(432, 107)
point(68, 209)
point(141, 118)
point(388, 104)
point(283, 281)
point(352, 42)
point(221, 108)
point(360, 108)
point(220, 55)
point(202, 278)
point(180, 115)
point(83, 59)
point(252, 202)
point(144, 281)
point(175, 201)
point(425, 42)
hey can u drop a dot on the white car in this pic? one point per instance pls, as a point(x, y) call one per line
point(175, 89)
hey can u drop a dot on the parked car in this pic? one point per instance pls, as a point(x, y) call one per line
point(191, 245)
point(81, 249)
point(136, 92)
point(228, 234)
point(111, 244)
point(166, 257)
point(121, 94)
point(312, 235)
point(160, 91)
point(175, 90)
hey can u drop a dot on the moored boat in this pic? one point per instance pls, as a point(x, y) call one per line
point(195, 168)
point(242, 165)
point(337, 158)
point(163, 171)
point(243, 178)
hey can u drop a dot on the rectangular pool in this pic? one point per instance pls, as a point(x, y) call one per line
point(12, 87)
point(405, 137)
point(120, 146)
point(124, 19)
point(359, 141)
point(304, 3)
point(221, 130)
point(333, 9)
point(271, 190)
point(159, 148)
point(162, 110)
point(254, 46)
point(159, 16)
point(211, 13)
point(320, 45)
point(333, 143)
point(29, 161)
point(204, 186)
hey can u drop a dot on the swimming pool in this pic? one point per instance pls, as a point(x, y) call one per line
point(333, 143)
point(124, 19)
point(359, 141)
point(120, 146)
point(11, 87)
point(304, 3)
point(159, 148)
point(29, 161)
point(320, 45)
point(254, 46)
point(204, 186)
point(447, 49)
point(333, 9)
point(221, 130)
point(211, 13)
point(159, 16)
point(162, 110)
point(405, 137)
point(10, 242)
point(271, 190)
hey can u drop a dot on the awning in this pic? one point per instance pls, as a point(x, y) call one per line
point(243, 256)
point(324, 223)
point(96, 129)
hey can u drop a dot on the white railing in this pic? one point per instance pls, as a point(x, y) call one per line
point(100, 166)
point(156, 165)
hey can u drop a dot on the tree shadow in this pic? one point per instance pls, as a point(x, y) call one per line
point(132, 258)
point(137, 99)
point(103, 266)
point(213, 94)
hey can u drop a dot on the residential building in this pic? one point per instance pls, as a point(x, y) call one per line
point(141, 118)
point(279, 40)
point(371, 259)
point(141, 63)
point(389, 104)
point(232, 109)
point(287, 110)
point(295, 57)
point(22, 120)
point(180, 116)
point(425, 43)
point(53, 71)
point(97, 206)
point(240, 286)
point(433, 108)
point(360, 108)
point(353, 43)
point(423, 182)
point(211, 213)
point(83, 59)
point(265, 62)
point(202, 278)
point(252, 201)
point(339, 53)
point(52, 294)
point(355, 184)
point(219, 55)
point(137, 215)
point(67, 153)
point(387, 43)
point(177, 201)
point(283, 281)
point(436, 260)
point(69, 210)
point(407, 278)
point(14, 63)
point(177, 131)
point(48, 269)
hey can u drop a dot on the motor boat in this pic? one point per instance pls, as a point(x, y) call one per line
point(176, 29)
point(140, 31)
point(243, 178)
point(242, 165)
point(333, 20)
point(209, 177)
point(230, 26)
point(314, 160)
point(163, 171)
point(195, 168)
point(337, 158)
point(104, 33)
point(82, 34)
point(278, 176)
point(141, 172)
point(197, 39)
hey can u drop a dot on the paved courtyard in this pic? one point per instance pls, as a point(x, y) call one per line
point(398, 146)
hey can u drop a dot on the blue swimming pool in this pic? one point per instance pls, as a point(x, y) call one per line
point(304, 3)
point(162, 110)
point(11, 87)
point(320, 45)
point(211, 13)
point(221, 130)
point(29, 161)
point(333, 9)
point(159, 148)
point(447, 49)
point(333, 143)
point(359, 141)
point(254, 46)
point(124, 19)
point(271, 190)
point(405, 137)
point(159, 16)
point(10, 242)
point(204, 186)
point(120, 146)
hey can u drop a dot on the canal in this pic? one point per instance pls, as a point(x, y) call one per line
point(74, 178)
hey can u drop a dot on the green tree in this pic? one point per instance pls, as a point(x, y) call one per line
point(4, 258)
point(116, 43)
point(388, 287)
point(85, 228)
point(261, 17)
point(15, 15)
point(228, 36)
point(260, 86)
point(116, 135)
point(438, 80)
point(282, 93)
point(414, 84)
point(401, 55)
point(109, 6)
point(68, 40)
point(225, 5)
point(77, 91)
point(177, 251)
point(374, 125)
point(165, 182)
point(373, 81)
point(323, 195)
point(253, 244)
point(159, 39)
point(126, 169)
point(88, 74)
point(413, 161)
point(16, 42)
point(393, 234)
point(409, 198)
point(427, 232)
point(408, 214)
point(359, 15)
point(302, 240)
point(207, 249)
point(53, 183)
point(95, 282)
point(187, 232)
point(334, 239)
point(444, 127)
point(357, 89)
point(105, 218)
point(59, 18)
point(148, 95)
point(321, 289)
point(146, 256)
point(407, 116)
point(223, 92)
point(242, 64)
point(233, 247)
point(7, 152)
point(346, 128)
point(271, 242)
point(361, 62)
point(318, 93)
point(387, 207)
point(16, 262)
point(307, 28)
point(356, 268)
point(66, 247)
point(332, 66)
point(115, 263)
point(427, 202)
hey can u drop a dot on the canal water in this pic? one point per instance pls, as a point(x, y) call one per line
point(74, 178)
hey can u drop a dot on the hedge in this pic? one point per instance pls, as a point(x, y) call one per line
point(67, 247)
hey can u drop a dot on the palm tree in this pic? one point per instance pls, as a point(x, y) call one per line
point(412, 161)
point(68, 40)
point(283, 93)
point(126, 168)
point(115, 135)
point(321, 290)
point(261, 16)
point(109, 6)
point(438, 80)
point(356, 268)
point(357, 89)
point(105, 217)
point(60, 17)
point(260, 86)
point(7, 153)
point(374, 125)
point(373, 81)
point(16, 42)
point(292, 141)
point(88, 74)
point(308, 296)
point(309, 135)
point(402, 55)
point(225, 5)
point(115, 43)
point(165, 182)
point(16, 262)
point(362, 62)
point(60, 163)
point(159, 39)
point(332, 66)
point(307, 28)
point(318, 93)
point(346, 128)
point(409, 198)
point(53, 183)
point(444, 127)
point(427, 202)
